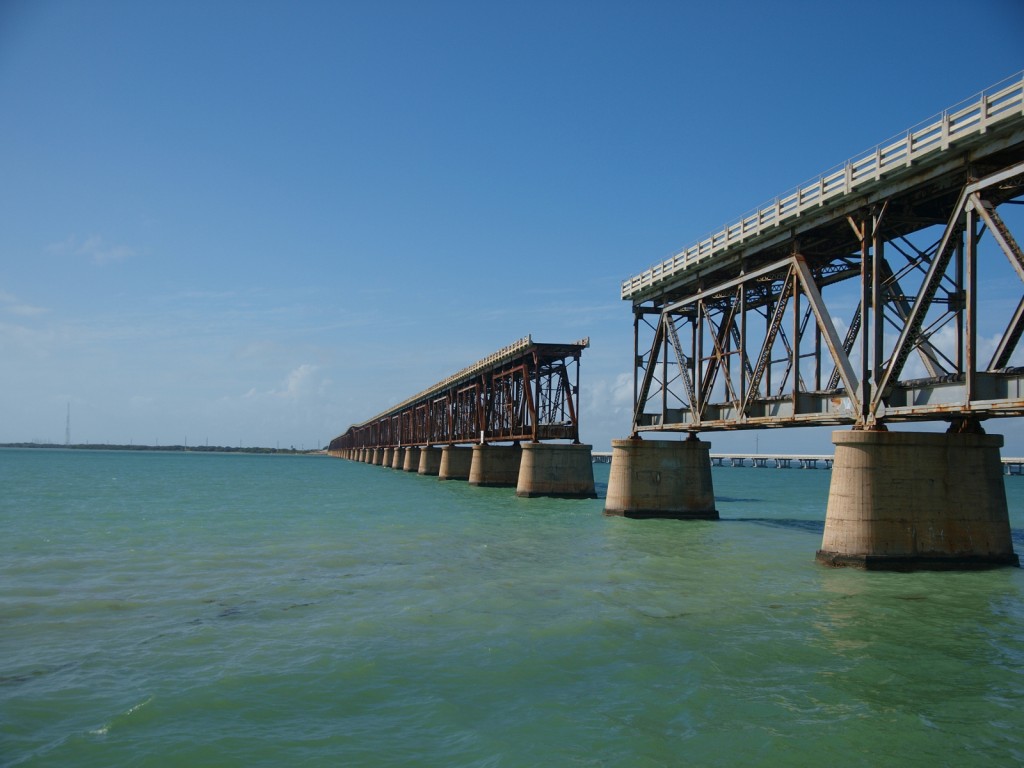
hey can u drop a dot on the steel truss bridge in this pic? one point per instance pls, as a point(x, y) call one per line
point(886, 290)
point(527, 391)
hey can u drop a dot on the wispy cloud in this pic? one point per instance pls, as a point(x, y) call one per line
point(302, 382)
point(12, 305)
point(94, 248)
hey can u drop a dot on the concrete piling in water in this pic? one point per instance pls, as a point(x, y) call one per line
point(554, 469)
point(378, 456)
point(661, 478)
point(455, 462)
point(387, 457)
point(917, 501)
point(412, 459)
point(495, 465)
point(397, 458)
point(430, 460)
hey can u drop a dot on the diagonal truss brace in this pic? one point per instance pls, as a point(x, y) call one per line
point(828, 330)
point(910, 337)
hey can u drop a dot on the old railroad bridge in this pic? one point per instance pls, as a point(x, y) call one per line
point(526, 394)
point(888, 291)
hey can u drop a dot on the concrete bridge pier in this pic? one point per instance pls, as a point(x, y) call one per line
point(378, 456)
point(556, 469)
point(397, 458)
point(387, 457)
point(496, 466)
point(661, 478)
point(366, 455)
point(455, 462)
point(917, 501)
point(411, 463)
point(430, 460)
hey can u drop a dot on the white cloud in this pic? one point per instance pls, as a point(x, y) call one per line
point(300, 381)
point(300, 384)
point(12, 305)
point(95, 248)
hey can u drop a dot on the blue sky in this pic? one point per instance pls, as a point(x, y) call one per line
point(259, 222)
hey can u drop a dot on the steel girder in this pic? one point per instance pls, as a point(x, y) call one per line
point(869, 319)
point(527, 391)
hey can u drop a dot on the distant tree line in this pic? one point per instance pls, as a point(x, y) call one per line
point(166, 448)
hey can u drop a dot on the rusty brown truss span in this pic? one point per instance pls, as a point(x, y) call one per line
point(525, 391)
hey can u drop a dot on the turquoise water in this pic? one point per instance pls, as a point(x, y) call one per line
point(229, 610)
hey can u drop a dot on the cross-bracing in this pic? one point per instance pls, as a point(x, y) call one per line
point(890, 289)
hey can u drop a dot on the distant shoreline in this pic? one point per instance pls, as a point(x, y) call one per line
point(166, 448)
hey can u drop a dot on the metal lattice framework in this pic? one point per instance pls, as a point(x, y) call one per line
point(858, 298)
point(525, 391)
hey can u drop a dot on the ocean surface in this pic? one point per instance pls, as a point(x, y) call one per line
point(192, 609)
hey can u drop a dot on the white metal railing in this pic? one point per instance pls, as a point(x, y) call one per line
point(972, 116)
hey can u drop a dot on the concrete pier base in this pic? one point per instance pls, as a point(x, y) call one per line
point(553, 469)
point(917, 501)
point(387, 457)
point(397, 458)
point(495, 466)
point(430, 460)
point(411, 463)
point(378, 456)
point(455, 462)
point(661, 478)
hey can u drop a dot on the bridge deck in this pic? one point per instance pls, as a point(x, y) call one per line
point(925, 147)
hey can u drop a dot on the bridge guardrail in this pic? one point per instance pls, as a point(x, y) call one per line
point(972, 116)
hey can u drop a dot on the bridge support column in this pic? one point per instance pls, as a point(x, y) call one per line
point(378, 456)
point(455, 462)
point(397, 458)
point(496, 466)
point(917, 501)
point(387, 457)
point(430, 460)
point(556, 469)
point(411, 463)
point(661, 478)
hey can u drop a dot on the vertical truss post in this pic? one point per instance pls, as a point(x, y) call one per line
point(576, 410)
point(971, 308)
point(664, 320)
point(877, 298)
point(698, 378)
point(867, 310)
point(535, 405)
point(636, 363)
point(744, 376)
point(796, 346)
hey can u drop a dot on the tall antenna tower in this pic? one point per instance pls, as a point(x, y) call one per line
point(67, 427)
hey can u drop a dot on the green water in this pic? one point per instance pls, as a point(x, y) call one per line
point(229, 610)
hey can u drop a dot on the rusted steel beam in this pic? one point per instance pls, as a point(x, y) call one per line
point(523, 392)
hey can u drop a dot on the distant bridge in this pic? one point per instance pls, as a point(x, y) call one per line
point(523, 394)
point(525, 391)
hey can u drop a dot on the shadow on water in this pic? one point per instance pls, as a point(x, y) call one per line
point(808, 526)
point(818, 526)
